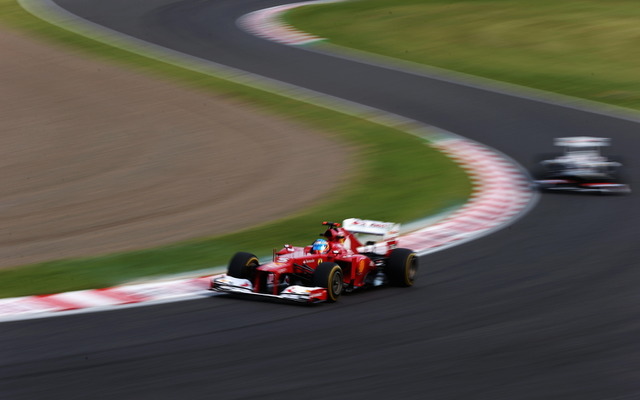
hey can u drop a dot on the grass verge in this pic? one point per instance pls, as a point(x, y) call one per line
point(582, 48)
point(399, 178)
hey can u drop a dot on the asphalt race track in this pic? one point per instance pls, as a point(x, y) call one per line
point(548, 308)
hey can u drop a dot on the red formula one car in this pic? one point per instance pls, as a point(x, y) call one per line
point(342, 260)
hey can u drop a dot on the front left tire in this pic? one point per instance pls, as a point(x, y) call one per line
point(243, 266)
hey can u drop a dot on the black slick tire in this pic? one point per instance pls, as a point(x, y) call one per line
point(402, 267)
point(243, 265)
point(329, 276)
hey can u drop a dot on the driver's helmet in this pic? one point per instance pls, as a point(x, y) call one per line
point(320, 246)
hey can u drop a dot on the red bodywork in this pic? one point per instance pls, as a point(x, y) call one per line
point(291, 262)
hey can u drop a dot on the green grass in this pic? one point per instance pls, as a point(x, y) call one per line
point(398, 178)
point(583, 48)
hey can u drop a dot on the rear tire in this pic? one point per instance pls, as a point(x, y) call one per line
point(402, 267)
point(243, 266)
point(329, 276)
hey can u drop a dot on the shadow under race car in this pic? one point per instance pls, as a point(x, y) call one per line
point(341, 261)
point(581, 168)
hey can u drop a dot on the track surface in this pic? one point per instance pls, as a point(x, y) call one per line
point(545, 309)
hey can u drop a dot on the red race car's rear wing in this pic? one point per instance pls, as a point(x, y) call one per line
point(369, 227)
point(372, 236)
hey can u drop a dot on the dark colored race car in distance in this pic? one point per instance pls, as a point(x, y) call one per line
point(581, 168)
point(341, 261)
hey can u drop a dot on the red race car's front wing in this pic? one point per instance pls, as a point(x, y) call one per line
point(243, 287)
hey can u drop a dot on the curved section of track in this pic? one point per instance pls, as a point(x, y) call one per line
point(546, 309)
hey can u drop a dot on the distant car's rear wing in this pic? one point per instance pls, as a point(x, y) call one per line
point(369, 227)
point(582, 141)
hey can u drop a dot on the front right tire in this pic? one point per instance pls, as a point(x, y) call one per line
point(329, 276)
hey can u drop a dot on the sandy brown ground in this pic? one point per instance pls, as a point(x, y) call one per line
point(97, 159)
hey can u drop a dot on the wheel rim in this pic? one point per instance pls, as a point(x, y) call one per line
point(336, 284)
point(250, 268)
point(412, 269)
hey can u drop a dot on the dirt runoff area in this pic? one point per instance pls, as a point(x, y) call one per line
point(98, 159)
